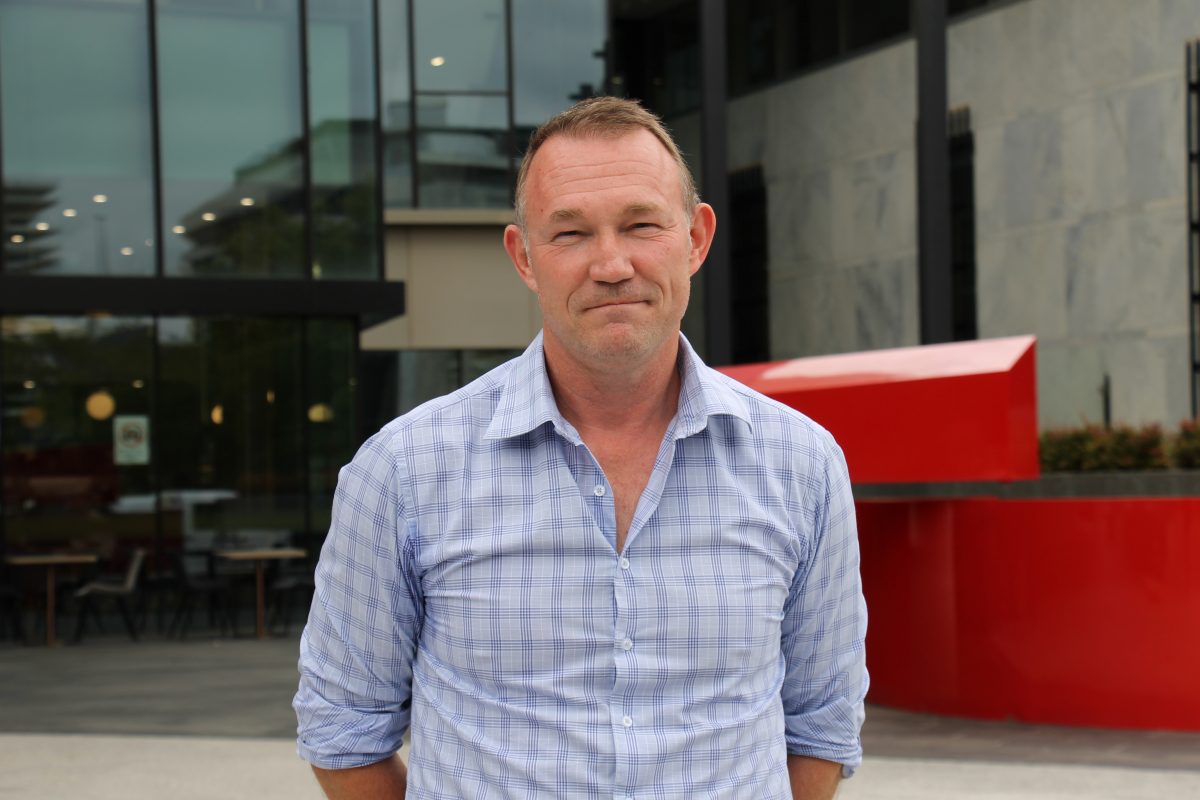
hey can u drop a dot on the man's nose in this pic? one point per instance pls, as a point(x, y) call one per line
point(610, 263)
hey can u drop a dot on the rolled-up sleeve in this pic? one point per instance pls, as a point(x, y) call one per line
point(354, 701)
point(824, 632)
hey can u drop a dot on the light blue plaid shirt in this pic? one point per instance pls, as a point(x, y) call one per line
point(470, 586)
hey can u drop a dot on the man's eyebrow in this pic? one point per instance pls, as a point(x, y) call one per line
point(565, 215)
point(641, 208)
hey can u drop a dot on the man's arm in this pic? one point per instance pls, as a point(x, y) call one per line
point(356, 655)
point(813, 778)
point(824, 629)
point(384, 780)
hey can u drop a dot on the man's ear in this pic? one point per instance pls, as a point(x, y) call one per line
point(514, 245)
point(702, 231)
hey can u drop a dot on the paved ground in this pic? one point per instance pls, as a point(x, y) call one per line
point(111, 720)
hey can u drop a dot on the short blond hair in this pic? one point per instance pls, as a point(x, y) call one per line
point(604, 117)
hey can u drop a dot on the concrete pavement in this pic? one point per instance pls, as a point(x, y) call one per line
point(209, 718)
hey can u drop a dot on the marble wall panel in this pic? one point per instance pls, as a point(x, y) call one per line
point(1156, 301)
point(858, 106)
point(874, 206)
point(974, 49)
point(1127, 273)
point(1149, 379)
point(1155, 150)
point(799, 220)
point(990, 181)
point(1096, 48)
point(1174, 23)
point(885, 304)
point(1099, 275)
point(1033, 169)
point(802, 127)
point(1021, 284)
point(812, 314)
point(1069, 375)
point(1095, 160)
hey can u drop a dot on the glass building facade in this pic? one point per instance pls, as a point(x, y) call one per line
point(194, 194)
point(197, 200)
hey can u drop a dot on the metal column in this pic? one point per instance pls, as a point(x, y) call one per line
point(935, 280)
point(718, 324)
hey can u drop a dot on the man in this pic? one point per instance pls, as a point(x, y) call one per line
point(602, 569)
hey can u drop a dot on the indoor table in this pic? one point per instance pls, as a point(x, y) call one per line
point(51, 561)
point(260, 558)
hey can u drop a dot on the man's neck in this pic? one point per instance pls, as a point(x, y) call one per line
point(626, 399)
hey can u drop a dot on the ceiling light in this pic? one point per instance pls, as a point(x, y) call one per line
point(69, 212)
point(247, 201)
point(99, 198)
point(126, 251)
point(321, 412)
point(16, 238)
point(179, 229)
point(100, 405)
point(42, 226)
point(208, 216)
point(437, 61)
point(30, 384)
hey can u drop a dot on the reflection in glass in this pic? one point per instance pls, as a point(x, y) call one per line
point(460, 45)
point(426, 374)
point(397, 103)
point(76, 434)
point(332, 433)
point(232, 407)
point(462, 151)
point(341, 53)
point(657, 54)
point(566, 65)
point(231, 134)
point(77, 138)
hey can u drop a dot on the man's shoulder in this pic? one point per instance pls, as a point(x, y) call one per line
point(771, 420)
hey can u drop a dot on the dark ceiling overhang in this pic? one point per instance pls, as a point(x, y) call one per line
point(25, 294)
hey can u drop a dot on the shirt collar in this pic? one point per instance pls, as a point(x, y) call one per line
point(527, 401)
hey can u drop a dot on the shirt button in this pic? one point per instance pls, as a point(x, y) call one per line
point(627, 721)
point(624, 563)
point(598, 491)
point(627, 644)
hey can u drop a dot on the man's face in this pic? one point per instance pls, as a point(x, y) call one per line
point(611, 249)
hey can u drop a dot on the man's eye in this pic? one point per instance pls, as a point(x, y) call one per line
point(644, 226)
point(566, 234)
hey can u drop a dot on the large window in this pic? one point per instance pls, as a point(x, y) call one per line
point(342, 101)
point(77, 399)
point(459, 102)
point(172, 433)
point(231, 120)
point(567, 65)
point(461, 68)
point(77, 138)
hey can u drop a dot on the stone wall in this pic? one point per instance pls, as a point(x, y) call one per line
point(1078, 113)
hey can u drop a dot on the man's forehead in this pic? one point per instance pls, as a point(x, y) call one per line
point(637, 146)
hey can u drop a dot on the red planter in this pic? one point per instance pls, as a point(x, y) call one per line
point(1076, 612)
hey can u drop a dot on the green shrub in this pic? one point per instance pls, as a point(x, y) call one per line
point(1096, 449)
point(1063, 450)
point(1186, 452)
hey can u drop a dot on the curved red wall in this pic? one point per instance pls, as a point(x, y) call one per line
point(1076, 612)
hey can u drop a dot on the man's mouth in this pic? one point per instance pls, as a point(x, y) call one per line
point(623, 302)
